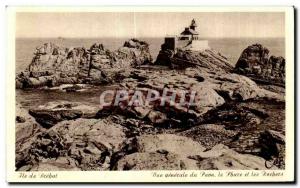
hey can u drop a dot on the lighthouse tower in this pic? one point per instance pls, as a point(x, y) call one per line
point(193, 25)
point(190, 33)
point(188, 39)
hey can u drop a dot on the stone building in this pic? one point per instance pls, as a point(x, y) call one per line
point(187, 40)
point(190, 32)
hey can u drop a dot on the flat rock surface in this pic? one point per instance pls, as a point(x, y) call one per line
point(154, 161)
point(53, 112)
point(221, 157)
point(168, 143)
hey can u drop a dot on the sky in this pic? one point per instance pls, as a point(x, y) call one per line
point(143, 24)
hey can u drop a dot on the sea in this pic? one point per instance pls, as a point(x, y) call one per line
point(25, 47)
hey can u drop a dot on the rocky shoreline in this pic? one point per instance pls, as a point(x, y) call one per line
point(234, 124)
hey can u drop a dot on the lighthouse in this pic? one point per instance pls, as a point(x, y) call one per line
point(190, 32)
point(187, 40)
point(193, 25)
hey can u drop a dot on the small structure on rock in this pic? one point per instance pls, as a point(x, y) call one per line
point(187, 50)
point(188, 39)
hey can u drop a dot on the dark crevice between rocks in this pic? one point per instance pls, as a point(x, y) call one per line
point(251, 120)
point(129, 147)
point(199, 78)
point(48, 119)
point(225, 95)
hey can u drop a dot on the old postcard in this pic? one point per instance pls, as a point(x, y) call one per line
point(150, 94)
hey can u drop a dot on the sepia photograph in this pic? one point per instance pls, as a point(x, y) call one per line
point(184, 92)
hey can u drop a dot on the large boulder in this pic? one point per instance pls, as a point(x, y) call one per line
point(155, 161)
point(213, 69)
point(160, 152)
point(171, 152)
point(211, 91)
point(163, 109)
point(169, 143)
point(85, 144)
point(60, 164)
point(208, 58)
point(240, 87)
point(136, 52)
point(232, 86)
point(209, 135)
point(256, 63)
point(26, 125)
point(272, 145)
point(26, 130)
point(220, 157)
point(53, 112)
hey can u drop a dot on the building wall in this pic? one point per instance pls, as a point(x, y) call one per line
point(183, 44)
point(170, 43)
point(199, 45)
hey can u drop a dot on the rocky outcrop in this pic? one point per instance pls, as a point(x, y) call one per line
point(210, 135)
point(162, 151)
point(53, 65)
point(26, 126)
point(53, 112)
point(256, 63)
point(213, 69)
point(170, 143)
point(26, 129)
point(232, 86)
point(84, 144)
point(221, 157)
point(60, 164)
point(155, 161)
point(272, 144)
point(136, 52)
point(209, 59)
point(212, 91)
point(245, 127)
point(170, 152)
point(226, 128)
point(206, 98)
